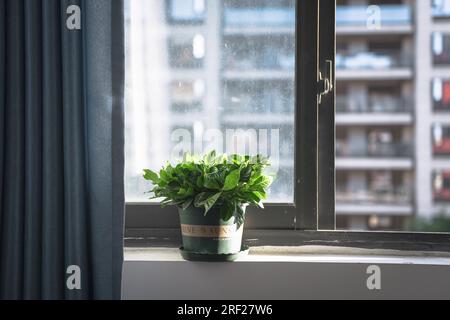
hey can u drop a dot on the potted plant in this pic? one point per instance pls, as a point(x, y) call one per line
point(212, 194)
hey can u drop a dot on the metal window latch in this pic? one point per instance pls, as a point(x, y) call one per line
point(325, 84)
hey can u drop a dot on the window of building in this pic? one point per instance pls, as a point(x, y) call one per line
point(441, 8)
point(441, 186)
point(441, 94)
point(441, 48)
point(186, 11)
point(441, 140)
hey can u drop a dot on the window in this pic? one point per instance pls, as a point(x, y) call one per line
point(225, 80)
point(187, 52)
point(185, 11)
point(441, 187)
point(441, 8)
point(187, 95)
point(208, 74)
point(441, 95)
point(441, 140)
point(441, 48)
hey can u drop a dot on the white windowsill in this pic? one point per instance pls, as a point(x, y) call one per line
point(292, 273)
point(304, 254)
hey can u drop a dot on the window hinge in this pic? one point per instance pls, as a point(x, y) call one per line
point(325, 84)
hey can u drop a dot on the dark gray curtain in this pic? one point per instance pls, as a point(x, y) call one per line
point(61, 149)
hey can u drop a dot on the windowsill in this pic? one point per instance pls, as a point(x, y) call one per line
point(309, 242)
point(287, 273)
point(305, 254)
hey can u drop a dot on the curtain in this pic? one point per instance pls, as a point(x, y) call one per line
point(61, 149)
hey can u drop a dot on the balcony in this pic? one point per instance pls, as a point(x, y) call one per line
point(374, 156)
point(391, 201)
point(441, 187)
point(395, 19)
point(376, 110)
point(388, 196)
point(441, 196)
point(374, 150)
point(380, 65)
point(374, 104)
point(442, 148)
point(441, 49)
point(259, 20)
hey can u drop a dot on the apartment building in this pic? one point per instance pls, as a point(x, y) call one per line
point(230, 64)
point(391, 112)
point(375, 114)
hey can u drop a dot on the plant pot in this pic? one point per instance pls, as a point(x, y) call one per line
point(209, 234)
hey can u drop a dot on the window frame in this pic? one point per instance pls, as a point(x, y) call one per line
point(276, 216)
point(311, 219)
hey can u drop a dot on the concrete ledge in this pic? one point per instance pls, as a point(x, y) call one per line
point(286, 273)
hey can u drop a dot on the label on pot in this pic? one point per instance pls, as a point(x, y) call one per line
point(210, 231)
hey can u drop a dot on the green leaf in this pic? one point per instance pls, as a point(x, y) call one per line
point(267, 181)
point(210, 202)
point(246, 174)
point(226, 212)
point(187, 203)
point(200, 182)
point(259, 195)
point(185, 192)
point(164, 175)
point(211, 183)
point(201, 198)
point(151, 176)
point(232, 180)
point(240, 214)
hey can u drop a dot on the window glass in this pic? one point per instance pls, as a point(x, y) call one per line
point(441, 48)
point(441, 95)
point(441, 8)
point(441, 186)
point(187, 52)
point(223, 80)
point(186, 11)
point(392, 147)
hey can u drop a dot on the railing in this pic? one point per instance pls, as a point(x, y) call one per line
point(375, 60)
point(390, 15)
point(384, 104)
point(442, 59)
point(389, 196)
point(444, 56)
point(259, 17)
point(266, 58)
point(374, 150)
point(442, 195)
point(443, 148)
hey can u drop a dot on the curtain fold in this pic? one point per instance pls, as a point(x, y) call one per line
point(2, 104)
point(33, 146)
point(61, 149)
